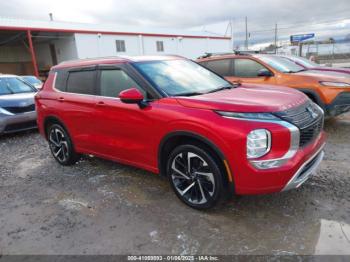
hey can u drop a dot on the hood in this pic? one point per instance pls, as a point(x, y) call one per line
point(247, 98)
point(332, 69)
point(325, 75)
point(17, 100)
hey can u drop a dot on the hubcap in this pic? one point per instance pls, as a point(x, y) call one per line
point(58, 144)
point(192, 177)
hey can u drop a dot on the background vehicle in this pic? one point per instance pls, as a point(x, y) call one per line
point(17, 108)
point(307, 64)
point(34, 81)
point(172, 116)
point(330, 92)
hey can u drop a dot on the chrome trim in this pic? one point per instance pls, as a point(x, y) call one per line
point(296, 181)
point(294, 142)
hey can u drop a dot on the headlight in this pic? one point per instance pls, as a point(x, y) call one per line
point(258, 143)
point(250, 116)
point(5, 112)
point(334, 84)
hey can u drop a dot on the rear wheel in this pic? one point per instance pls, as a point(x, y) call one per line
point(195, 176)
point(61, 145)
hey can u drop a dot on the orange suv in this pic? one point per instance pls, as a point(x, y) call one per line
point(331, 91)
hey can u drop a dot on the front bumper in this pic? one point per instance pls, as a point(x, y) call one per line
point(340, 105)
point(17, 122)
point(305, 171)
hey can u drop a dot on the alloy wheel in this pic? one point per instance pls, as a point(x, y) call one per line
point(192, 177)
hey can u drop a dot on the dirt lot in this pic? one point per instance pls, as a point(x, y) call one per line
point(101, 207)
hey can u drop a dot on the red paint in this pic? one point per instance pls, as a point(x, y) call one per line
point(132, 95)
point(15, 28)
point(32, 53)
point(131, 134)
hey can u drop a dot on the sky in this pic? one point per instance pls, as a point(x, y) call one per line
point(325, 18)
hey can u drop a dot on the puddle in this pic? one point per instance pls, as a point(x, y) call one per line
point(334, 238)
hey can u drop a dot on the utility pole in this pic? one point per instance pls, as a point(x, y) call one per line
point(246, 33)
point(276, 38)
point(232, 41)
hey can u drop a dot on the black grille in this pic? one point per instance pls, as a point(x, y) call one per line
point(18, 109)
point(20, 126)
point(308, 118)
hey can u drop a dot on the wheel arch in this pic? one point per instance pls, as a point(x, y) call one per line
point(171, 140)
point(49, 120)
point(314, 96)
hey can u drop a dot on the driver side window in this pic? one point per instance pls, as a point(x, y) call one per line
point(246, 68)
point(114, 81)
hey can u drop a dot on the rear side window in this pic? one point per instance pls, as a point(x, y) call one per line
point(81, 82)
point(114, 81)
point(221, 67)
point(246, 68)
point(60, 82)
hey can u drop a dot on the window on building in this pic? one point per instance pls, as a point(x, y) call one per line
point(160, 46)
point(221, 67)
point(115, 81)
point(120, 45)
point(81, 82)
point(246, 68)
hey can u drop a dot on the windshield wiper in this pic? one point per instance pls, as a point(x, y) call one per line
point(220, 89)
point(189, 94)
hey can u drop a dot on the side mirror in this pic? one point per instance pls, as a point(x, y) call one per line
point(265, 72)
point(133, 96)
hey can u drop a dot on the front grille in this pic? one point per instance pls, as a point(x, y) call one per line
point(18, 109)
point(20, 126)
point(308, 166)
point(308, 118)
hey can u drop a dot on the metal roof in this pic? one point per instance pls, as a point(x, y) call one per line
point(56, 26)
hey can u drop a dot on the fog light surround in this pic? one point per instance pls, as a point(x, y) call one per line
point(258, 143)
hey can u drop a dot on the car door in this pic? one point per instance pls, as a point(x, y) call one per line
point(77, 104)
point(123, 130)
point(246, 70)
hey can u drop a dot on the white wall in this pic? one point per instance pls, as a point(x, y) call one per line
point(97, 45)
point(66, 49)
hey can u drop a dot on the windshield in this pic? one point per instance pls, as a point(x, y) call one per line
point(303, 61)
point(32, 80)
point(181, 77)
point(13, 85)
point(281, 64)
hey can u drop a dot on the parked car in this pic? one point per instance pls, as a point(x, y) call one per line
point(307, 64)
point(34, 81)
point(17, 107)
point(173, 117)
point(330, 91)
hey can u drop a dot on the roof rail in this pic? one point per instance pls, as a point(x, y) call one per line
point(90, 59)
point(236, 52)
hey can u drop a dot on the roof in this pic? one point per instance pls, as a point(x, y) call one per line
point(56, 26)
point(112, 60)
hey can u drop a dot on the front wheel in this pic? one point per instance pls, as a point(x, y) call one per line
point(195, 176)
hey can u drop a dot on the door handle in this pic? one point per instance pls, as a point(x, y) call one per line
point(100, 103)
point(60, 99)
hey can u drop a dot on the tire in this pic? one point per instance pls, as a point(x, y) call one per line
point(201, 185)
point(61, 145)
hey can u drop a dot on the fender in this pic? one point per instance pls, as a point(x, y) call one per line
point(315, 95)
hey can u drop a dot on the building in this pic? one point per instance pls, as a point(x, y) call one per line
point(32, 47)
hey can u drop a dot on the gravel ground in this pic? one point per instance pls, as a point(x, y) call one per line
point(101, 207)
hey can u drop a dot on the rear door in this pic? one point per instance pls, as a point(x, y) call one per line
point(123, 130)
point(77, 106)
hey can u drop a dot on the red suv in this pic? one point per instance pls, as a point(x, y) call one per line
point(173, 117)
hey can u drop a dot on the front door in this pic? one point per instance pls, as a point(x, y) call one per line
point(123, 130)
